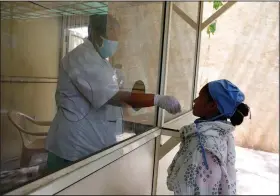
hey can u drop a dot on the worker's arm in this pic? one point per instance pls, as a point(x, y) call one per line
point(140, 100)
point(99, 88)
point(135, 100)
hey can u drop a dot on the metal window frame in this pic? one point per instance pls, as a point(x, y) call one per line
point(173, 8)
point(164, 59)
point(168, 128)
point(199, 27)
point(162, 150)
point(198, 44)
point(185, 17)
point(162, 87)
point(64, 178)
point(164, 71)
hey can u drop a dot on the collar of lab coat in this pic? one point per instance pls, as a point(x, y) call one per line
point(88, 44)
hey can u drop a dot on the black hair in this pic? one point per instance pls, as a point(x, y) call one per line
point(242, 110)
point(98, 23)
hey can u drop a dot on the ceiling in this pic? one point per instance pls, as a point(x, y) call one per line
point(38, 9)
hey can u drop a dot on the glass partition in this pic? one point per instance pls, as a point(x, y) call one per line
point(63, 65)
point(180, 71)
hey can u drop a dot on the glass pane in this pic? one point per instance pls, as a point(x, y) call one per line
point(70, 83)
point(189, 8)
point(182, 54)
point(76, 36)
point(139, 51)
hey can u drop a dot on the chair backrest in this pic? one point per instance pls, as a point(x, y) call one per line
point(27, 126)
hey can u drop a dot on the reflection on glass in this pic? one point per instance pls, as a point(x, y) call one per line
point(182, 50)
point(189, 8)
point(68, 77)
point(139, 50)
point(138, 87)
point(76, 36)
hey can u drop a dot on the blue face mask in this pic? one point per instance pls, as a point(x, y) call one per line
point(108, 48)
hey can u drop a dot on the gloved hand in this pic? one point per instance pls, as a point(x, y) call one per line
point(169, 103)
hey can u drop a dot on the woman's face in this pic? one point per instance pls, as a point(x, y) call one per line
point(203, 106)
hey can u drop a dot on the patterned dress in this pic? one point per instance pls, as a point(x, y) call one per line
point(189, 174)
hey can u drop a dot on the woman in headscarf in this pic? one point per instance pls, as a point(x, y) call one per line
point(205, 163)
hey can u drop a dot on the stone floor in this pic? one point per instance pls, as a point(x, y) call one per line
point(258, 172)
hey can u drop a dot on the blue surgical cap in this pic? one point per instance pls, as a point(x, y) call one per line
point(227, 95)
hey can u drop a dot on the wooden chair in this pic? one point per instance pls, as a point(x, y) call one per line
point(33, 140)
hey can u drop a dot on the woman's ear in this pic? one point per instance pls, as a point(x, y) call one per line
point(213, 105)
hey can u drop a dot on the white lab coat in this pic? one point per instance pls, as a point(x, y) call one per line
point(84, 123)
